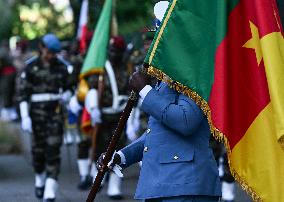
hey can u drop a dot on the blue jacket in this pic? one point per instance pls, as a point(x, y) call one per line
point(175, 153)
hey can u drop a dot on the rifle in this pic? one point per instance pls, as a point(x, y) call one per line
point(112, 146)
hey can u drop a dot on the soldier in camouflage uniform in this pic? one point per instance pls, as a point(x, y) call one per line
point(44, 86)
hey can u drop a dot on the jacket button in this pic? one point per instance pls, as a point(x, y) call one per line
point(176, 157)
point(145, 149)
point(148, 130)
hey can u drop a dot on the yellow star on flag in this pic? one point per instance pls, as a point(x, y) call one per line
point(254, 42)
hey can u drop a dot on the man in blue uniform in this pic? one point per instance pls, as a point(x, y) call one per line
point(177, 163)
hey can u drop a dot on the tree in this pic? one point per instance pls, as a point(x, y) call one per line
point(132, 15)
point(42, 17)
point(32, 18)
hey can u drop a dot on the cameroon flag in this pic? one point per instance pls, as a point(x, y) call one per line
point(228, 56)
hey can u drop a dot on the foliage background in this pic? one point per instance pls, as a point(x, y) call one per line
point(132, 16)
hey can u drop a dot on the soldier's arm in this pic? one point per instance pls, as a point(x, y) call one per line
point(133, 153)
point(24, 92)
point(67, 71)
point(66, 85)
point(24, 89)
point(183, 116)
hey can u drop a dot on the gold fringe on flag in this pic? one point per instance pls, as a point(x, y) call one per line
point(91, 72)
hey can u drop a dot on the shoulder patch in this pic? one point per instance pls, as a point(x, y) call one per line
point(31, 60)
point(66, 63)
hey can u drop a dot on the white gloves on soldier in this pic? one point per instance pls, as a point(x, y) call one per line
point(66, 96)
point(91, 104)
point(131, 133)
point(27, 124)
point(96, 116)
point(74, 105)
point(26, 120)
point(133, 125)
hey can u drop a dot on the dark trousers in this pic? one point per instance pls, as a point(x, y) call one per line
point(8, 89)
point(46, 141)
point(104, 135)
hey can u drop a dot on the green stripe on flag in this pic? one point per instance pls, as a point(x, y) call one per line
point(185, 46)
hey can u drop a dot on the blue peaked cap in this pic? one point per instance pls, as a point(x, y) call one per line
point(52, 43)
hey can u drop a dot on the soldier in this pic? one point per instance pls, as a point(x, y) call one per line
point(113, 100)
point(43, 87)
point(7, 81)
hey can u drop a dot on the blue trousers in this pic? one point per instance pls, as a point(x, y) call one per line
point(185, 199)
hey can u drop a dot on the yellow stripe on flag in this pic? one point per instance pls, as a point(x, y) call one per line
point(259, 160)
point(272, 46)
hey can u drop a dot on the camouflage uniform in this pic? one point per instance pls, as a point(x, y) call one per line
point(46, 116)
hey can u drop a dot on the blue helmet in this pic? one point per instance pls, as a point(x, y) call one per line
point(51, 42)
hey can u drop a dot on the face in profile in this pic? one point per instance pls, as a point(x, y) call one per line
point(115, 55)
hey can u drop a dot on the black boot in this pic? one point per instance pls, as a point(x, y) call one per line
point(116, 197)
point(49, 200)
point(85, 183)
point(39, 192)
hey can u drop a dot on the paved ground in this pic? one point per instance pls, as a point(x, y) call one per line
point(16, 178)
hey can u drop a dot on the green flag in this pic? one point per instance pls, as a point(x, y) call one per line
point(185, 41)
point(96, 56)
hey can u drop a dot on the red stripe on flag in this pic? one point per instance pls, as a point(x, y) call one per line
point(83, 39)
point(240, 90)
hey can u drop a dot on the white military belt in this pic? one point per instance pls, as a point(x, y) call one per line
point(45, 97)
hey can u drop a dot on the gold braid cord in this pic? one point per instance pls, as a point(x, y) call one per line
point(218, 135)
point(91, 72)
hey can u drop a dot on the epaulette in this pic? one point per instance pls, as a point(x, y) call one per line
point(61, 59)
point(31, 60)
point(66, 63)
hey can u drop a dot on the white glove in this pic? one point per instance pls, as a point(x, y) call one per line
point(131, 133)
point(91, 100)
point(74, 105)
point(133, 125)
point(27, 124)
point(66, 96)
point(115, 168)
point(91, 104)
point(26, 120)
point(96, 116)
